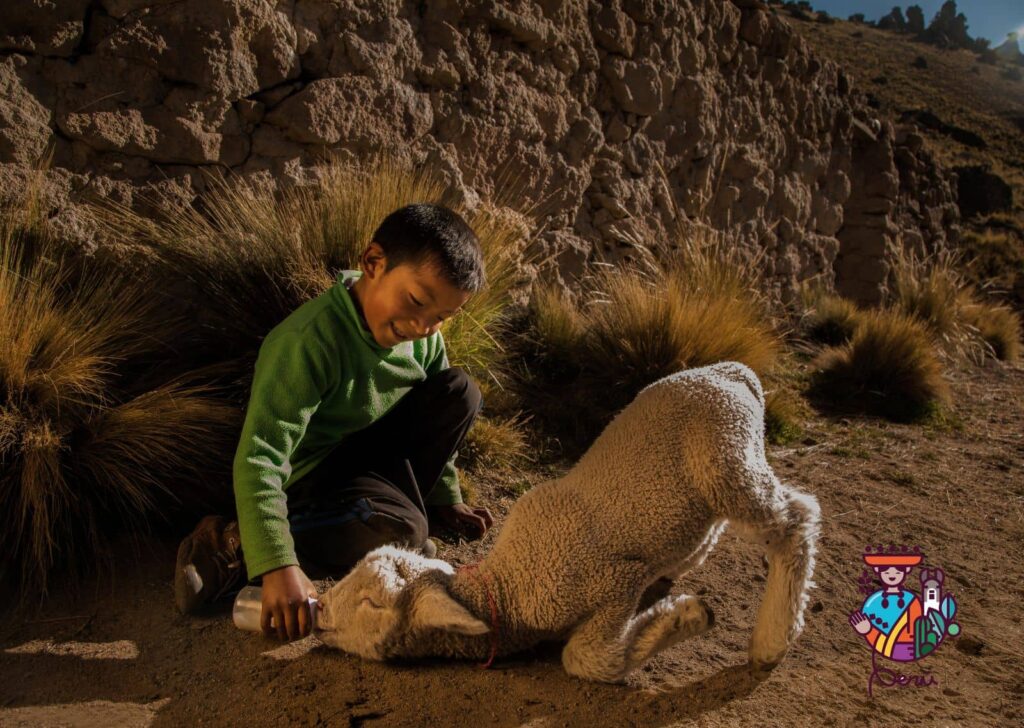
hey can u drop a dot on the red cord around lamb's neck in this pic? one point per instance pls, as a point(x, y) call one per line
point(485, 579)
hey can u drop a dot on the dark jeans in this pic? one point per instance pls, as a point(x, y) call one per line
point(370, 490)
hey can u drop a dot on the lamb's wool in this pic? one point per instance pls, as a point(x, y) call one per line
point(648, 499)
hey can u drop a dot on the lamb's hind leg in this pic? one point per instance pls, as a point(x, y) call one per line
point(665, 623)
point(660, 588)
point(609, 645)
point(788, 537)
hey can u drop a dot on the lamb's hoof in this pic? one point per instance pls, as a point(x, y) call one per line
point(710, 612)
point(761, 669)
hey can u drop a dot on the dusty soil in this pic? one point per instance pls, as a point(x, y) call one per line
point(123, 656)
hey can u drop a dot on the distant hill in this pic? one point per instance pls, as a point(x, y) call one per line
point(968, 106)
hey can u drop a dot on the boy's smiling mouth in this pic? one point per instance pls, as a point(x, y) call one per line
point(401, 337)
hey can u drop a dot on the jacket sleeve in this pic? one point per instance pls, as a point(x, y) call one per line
point(289, 381)
point(447, 491)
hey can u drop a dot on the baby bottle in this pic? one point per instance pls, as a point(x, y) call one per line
point(249, 607)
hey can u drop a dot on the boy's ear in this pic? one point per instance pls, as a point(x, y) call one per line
point(373, 259)
point(433, 608)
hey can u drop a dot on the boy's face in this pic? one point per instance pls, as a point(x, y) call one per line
point(405, 302)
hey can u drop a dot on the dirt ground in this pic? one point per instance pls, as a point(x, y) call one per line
point(123, 656)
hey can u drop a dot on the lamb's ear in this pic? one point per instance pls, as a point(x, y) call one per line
point(434, 608)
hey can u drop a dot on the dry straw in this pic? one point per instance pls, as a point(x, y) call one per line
point(688, 302)
point(827, 318)
point(84, 449)
point(888, 367)
point(931, 289)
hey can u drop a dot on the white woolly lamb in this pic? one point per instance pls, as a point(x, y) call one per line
point(648, 499)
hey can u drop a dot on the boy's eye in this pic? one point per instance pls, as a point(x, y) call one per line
point(414, 300)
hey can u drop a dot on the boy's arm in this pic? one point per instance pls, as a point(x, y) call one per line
point(287, 385)
point(446, 492)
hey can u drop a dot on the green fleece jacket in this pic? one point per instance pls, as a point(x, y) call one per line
point(320, 376)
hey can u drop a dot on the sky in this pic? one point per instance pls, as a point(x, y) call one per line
point(991, 19)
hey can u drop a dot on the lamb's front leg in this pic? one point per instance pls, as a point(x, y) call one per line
point(611, 644)
point(789, 542)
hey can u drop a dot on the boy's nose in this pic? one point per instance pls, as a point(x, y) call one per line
point(422, 329)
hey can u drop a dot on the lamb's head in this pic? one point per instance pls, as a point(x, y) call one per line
point(391, 594)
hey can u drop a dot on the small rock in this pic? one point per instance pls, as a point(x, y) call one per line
point(919, 62)
point(970, 645)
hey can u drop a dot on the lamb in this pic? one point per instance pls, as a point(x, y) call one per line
point(648, 500)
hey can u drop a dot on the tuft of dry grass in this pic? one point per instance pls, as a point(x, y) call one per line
point(930, 290)
point(781, 417)
point(82, 448)
point(994, 257)
point(828, 319)
point(683, 320)
point(999, 326)
point(640, 322)
point(496, 443)
point(933, 291)
point(556, 324)
point(889, 367)
point(701, 307)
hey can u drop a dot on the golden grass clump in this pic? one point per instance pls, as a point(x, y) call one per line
point(701, 307)
point(999, 326)
point(828, 319)
point(994, 257)
point(495, 442)
point(930, 290)
point(933, 291)
point(556, 323)
point(641, 322)
point(84, 448)
point(889, 368)
point(641, 330)
point(781, 417)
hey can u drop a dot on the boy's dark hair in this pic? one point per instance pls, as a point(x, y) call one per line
point(433, 234)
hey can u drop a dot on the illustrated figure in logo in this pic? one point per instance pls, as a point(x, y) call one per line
point(896, 622)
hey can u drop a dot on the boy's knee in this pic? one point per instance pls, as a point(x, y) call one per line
point(459, 385)
point(411, 529)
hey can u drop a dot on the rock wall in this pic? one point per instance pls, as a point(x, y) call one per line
point(616, 116)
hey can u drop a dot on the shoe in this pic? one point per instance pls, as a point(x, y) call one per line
point(209, 564)
point(429, 548)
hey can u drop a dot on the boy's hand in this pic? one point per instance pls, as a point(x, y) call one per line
point(285, 592)
point(470, 522)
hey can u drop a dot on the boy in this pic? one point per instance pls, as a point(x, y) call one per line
point(352, 426)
